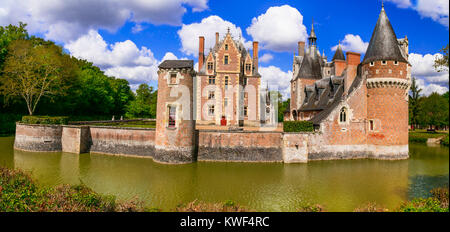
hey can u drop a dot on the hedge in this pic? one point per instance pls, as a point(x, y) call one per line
point(45, 120)
point(298, 126)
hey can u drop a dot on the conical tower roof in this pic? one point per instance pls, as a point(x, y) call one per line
point(339, 55)
point(383, 44)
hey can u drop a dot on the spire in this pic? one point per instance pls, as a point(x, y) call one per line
point(312, 36)
point(383, 44)
point(339, 54)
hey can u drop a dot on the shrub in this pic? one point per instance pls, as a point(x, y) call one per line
point(8, 123)
point(298, 126)
point(45, 120)
point(444, 141)
point(438, 202)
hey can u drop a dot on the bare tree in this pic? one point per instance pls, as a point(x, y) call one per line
point(33, 71)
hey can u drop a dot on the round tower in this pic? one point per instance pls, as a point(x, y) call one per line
point(175, 139)
point(386, 69)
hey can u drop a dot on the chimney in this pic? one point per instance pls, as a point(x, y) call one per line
point(353, 60)
point(255, 55)
point(301, 48)
point(201, 52)
point(217, 38)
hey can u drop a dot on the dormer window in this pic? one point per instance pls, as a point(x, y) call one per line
point(395, 62)
point(226, 46)
point(372, 63)
point(383, 62)
point(248, 67)
point(210, 66)
point(225, 60)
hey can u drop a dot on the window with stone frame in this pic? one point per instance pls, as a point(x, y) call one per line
point(245, 111)
point(225, 102)
point(226, 46)
point(173, 78)
point(343, 115)
point(211, 110)
point(212, 80)
point(225, 59)
point(210, 66)
point(172, 116)
point(211, 95)
point(245, 81)
point(226, 82)
point(248, 67)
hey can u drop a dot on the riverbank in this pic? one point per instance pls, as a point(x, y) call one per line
point(422, 136)
point(20, 193)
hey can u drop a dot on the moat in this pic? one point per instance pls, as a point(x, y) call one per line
point(340, 185)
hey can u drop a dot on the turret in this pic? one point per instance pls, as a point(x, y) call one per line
point(385, 69)
point(175, 124)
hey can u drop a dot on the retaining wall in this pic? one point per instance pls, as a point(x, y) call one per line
point(240, 146)
point(35, 137)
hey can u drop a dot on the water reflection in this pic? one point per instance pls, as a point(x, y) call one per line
point(338, 185)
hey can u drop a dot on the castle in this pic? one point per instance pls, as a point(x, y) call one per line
point(359, 109)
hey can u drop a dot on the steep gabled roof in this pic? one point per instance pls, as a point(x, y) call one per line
point(310, 67)
point(383, 44)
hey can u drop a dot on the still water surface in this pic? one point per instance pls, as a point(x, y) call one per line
point(337, 185)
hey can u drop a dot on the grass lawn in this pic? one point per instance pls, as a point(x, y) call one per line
point(138, 124)
point(421, 136)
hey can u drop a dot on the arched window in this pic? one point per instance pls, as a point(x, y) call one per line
point(294, 115)
point(343, 115)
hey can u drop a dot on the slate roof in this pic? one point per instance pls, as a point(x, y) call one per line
point(383, 44)
point(167, 64)
point(322, 94)
point(310, 67)
point(339, 54)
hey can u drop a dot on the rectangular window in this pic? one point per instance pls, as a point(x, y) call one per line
point(245, 111)
point(225, 60)
point(211, 95)
point(371, 125)
point(172, 115)
point(211, 110)
point(212, 80)
point(226, 46)
point(225, 102)
point(226, 82)
point(248, 67)
point(173, 78)
point(245, 80)
point(210, 66)
point(245, 95)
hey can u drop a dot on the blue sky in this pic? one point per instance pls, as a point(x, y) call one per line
point(128, 39)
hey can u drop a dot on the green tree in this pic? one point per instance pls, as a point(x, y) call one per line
point(441, 63)
point(144, 105)
point(35, 71)
point(9, 34)
point(414, 103)
point(434, 111)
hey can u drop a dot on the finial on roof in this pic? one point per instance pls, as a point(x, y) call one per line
point(382, 4)
point(228, 30)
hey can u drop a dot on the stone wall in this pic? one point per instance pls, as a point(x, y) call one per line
point(240, 146)
point(123, 141)
point(42, 138)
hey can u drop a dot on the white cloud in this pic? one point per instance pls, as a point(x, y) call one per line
point(279, 29)
point(265, 58)
point(428, 89)
point(428, 79)
point(422, 66)
point(207, 28)
point(169, 56)
point(64, 21)
point(353, 43)
point(401, 3)
point(277, 79)
point(437, 10)
point(121, 59)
